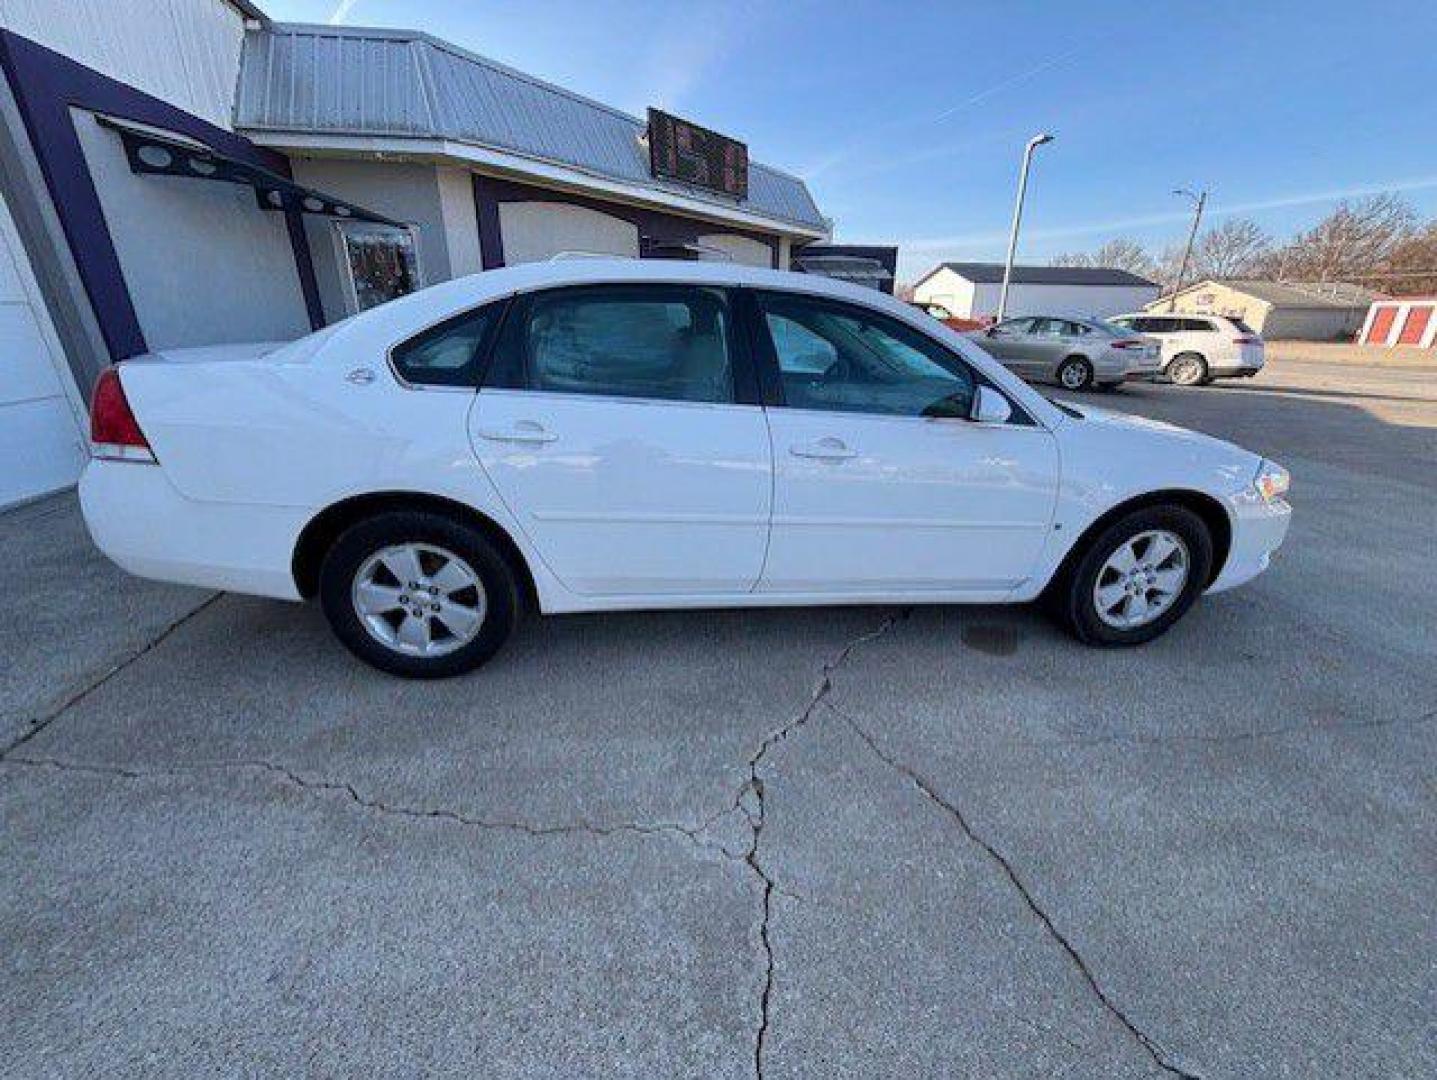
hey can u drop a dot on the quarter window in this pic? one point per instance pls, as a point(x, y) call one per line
point(664, 342)
point(839, 358)
point(449, 354)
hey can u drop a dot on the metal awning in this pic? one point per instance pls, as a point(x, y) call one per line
point(163, 153)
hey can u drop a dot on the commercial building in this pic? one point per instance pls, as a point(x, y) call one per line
point(970, 290)
point(192, 173)
point(1280, 310)
point(1402, 320)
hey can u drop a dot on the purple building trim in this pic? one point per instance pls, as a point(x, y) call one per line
point(46, 86)
point(657, 229)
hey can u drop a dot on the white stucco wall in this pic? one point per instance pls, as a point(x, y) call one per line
point(185, 52)
point(203, 263)
point(43, 439)
point(535, 231)
point(740, 249)
point(461, 223)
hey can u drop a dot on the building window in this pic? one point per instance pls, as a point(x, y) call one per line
point(378, 262)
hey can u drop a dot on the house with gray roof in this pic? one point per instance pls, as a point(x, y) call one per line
point(970, 290)
point(1278, 310)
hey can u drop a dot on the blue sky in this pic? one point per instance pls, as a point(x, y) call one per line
point(907, 120)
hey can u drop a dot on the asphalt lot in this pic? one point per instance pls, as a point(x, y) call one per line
point(857, 842)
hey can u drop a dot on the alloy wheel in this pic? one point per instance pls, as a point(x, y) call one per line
point(1186, 371)
point(1073, 375)
point(419, 599)
point(1142, 579)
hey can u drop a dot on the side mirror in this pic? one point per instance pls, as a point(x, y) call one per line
point(992, 331)
point(989, 407)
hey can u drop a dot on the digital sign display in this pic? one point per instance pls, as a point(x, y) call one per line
point(679, 150)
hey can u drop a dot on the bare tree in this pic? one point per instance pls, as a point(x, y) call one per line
point(1120, 254)
point(1233, 249)
point(1125, 254)
point(1355, 241)
point(1411, 266)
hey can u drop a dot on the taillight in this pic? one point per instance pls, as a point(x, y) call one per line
point(1246, 340)
point(114, 432)
point(1130, 343)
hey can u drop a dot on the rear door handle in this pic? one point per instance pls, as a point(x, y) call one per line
point(826, 449)
point(525, 431)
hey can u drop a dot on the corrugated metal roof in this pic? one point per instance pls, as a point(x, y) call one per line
point(990, 273)
point(404, 84)
point(1302, 294)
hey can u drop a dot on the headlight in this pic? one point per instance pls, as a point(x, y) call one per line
point(1272, 481)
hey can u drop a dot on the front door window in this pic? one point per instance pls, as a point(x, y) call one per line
point(839, 358)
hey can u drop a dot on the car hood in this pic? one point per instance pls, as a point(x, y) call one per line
point(1155, 452)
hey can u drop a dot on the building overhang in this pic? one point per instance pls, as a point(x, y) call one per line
point(154, 151)
point(550, 174)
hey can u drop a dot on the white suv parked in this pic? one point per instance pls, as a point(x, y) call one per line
point(1199, 348)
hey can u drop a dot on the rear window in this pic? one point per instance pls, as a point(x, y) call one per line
point(1242, 327)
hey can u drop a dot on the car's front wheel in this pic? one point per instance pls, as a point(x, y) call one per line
point(418, 594)
point(1136, 578)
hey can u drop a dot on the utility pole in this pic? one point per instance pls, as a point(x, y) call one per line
point(1033, 144)
point(1199, 201)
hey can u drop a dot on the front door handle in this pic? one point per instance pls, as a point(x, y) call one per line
point(826, 449)
point(525, 431)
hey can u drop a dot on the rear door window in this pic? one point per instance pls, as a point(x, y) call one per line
point(662, 342)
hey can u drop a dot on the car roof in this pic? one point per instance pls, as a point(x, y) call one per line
point(403, 317)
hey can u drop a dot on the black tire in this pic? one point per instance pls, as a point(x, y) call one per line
point(360, 542)
point(1071, 597)
point(1075, 373)
point(1188, 369)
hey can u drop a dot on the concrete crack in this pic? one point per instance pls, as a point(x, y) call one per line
point(39, 724)
point(694, 834)
point(931, 793)
point(750, 800)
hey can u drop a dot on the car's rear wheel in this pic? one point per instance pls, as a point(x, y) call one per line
point(1188, 369)
point(1136, 578)
point(418, 594)
point(1075, 373)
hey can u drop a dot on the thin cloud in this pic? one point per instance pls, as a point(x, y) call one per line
point(341, 11)
point(854, 146)
point(1119, 225)
point(1021, 77)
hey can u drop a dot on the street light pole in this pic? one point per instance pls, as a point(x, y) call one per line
point(1199, 201)
point(1033, 144)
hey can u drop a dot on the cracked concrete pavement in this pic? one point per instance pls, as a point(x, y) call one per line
point(789, 844)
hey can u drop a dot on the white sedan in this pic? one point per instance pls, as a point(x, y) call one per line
point(613, 434)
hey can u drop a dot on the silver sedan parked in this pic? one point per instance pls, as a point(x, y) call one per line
point(1075, 353)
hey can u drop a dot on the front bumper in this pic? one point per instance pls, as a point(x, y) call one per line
point(1258, 530)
